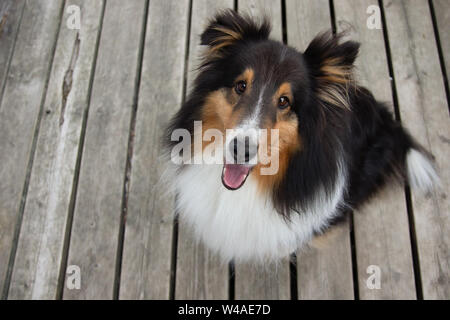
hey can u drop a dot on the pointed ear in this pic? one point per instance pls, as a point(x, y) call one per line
point(229, 28)
point(331, 66)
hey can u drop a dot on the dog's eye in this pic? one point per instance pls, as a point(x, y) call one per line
point(240, 87)
point(283, 102)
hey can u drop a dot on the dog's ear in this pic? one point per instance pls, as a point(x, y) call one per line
point(228, 28)
point(330, 62)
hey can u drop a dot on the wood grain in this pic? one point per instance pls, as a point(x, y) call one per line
point(41, 241)
point(10, 17)
point(305, 19)
point(442, 13)
point(381, 226)
point(147, 256)
point(96, 220)
point(324, 269)
point(424, 111)
point(19, 114)
point(269, 8)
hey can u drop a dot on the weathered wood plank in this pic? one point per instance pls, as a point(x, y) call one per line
point(305, 20)
point(424, 111)
point(146, 263)
point(270, 282)
point(40, 247)
point(324, 269)
point(442, 13)
point(96, 220)
point(19, 112)
point(324, 273)
point(270, 8)
point(199, 274)
point(381, 226)
point(10, 16)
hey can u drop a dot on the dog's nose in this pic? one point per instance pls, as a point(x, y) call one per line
point(243, 149)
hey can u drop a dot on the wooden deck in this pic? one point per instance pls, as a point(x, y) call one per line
point(81, 112)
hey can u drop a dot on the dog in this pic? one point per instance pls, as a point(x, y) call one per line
point(336, 145)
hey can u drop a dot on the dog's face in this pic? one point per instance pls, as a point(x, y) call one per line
point(264, 89)
point(248, 83)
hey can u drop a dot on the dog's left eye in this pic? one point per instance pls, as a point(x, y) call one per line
point(283, 102)
point(240, 87)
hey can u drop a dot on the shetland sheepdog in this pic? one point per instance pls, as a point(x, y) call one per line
point(335, 144)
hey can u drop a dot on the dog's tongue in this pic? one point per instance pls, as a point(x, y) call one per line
point(234, 175)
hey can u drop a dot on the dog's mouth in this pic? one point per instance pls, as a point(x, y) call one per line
point(234, 175)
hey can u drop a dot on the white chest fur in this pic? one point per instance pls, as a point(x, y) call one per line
point(242, 224)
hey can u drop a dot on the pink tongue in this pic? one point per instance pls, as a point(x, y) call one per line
point(234, 175)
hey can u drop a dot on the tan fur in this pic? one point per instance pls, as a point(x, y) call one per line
point(217, 112)
point(228, 39)
point(214, 51)
point(335, 82)
point(232, 35)
point(289, 140)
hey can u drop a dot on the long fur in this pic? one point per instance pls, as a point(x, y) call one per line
point(350, 144)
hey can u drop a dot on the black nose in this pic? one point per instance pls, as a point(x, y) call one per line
point(243, 150)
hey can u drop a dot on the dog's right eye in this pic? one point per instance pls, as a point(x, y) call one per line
point(240, 87)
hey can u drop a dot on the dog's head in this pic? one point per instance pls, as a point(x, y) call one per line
point(248, 82)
